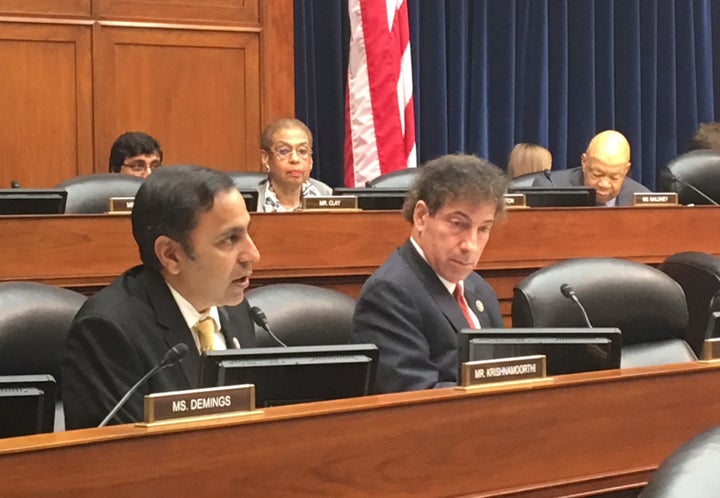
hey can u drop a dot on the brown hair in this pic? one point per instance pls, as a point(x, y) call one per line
point(528, 158)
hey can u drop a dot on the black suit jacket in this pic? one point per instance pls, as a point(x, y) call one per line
point(409, 314)
point(120, 334)
point(574, 178)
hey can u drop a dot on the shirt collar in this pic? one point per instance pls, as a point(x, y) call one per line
point(448, 285)
point(190, 314)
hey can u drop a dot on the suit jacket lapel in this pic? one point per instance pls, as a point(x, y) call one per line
point(237, 326)
point(168, 316)
point(473, 297)
point(434, 287)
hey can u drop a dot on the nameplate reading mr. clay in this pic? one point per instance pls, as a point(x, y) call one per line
point(476, 373)
point(122, 205)
point(330, 202)
point(655, 199)
point(515, 201)
point(194, 403)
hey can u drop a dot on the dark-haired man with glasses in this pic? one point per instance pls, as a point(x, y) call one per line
point(287, 157)
point(135, 153)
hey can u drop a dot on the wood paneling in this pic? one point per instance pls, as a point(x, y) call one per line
point(46, 95)
point(47, 7)
point(576, 435)
point(224, 11)
point(341, 250)
point(204, 77)
point(196, 92)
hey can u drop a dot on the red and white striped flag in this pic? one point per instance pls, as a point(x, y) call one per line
point(379, 117)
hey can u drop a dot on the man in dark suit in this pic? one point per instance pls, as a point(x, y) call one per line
point(605, 165)
point(191, 227)
point(413, 306)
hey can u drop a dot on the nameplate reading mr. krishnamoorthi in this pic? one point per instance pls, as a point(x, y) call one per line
point(475, 373)
point(213, 401)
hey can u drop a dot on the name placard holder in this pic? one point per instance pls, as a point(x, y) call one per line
point(330, 203)
point(199, 404)
point(515, 201)
point(121, 205)
point(474, 374)
point(655, 199)
point(711, 350)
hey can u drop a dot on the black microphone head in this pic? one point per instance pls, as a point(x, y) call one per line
point(567, 291)
point(258, 316)
point(174, 354)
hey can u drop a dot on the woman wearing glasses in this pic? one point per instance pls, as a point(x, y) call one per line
point(287, 158)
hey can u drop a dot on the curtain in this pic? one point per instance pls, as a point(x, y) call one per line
point(491, 73)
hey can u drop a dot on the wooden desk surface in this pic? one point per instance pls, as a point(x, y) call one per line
point(582, 433)
point(340, 250)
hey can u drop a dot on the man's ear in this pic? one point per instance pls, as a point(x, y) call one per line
point(169, 253)
point(583, 160)
point(420, 215)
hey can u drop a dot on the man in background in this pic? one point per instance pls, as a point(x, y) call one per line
point(604, 167)
point(707, 136)
point(135, 153)
point(414, 305)
point(191, 227)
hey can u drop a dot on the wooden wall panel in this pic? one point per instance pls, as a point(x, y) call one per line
point(278, 71)
point(47, 7)
point(46, 95)
point(196, 92)
point(181, 10)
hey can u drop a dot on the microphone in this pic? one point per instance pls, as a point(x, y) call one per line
point(569, 293)
point(173, 356)
point(546, 173)
point(258, 316)
point(692, 187)
point(14, 184)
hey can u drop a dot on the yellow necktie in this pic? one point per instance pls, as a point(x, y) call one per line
point(206, 333)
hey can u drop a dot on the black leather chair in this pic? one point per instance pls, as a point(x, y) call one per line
point(399, 179)
point(691, 471)
point(246, 180)
point(644, 303)
point(34, 321)
point(303, 315)
point(698, 168)
point(90, 194)
point(699, 276)
point(525, 180)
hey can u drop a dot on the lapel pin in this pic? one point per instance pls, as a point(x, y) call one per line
point(479, 306)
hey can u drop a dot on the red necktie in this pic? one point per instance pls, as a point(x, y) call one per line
point(463, 305)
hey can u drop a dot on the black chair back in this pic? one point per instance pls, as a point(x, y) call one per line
point(644, 303)
point(399, 179)
point(90, 194)
point(699, 276)
point(698, 168)
point(303, 315)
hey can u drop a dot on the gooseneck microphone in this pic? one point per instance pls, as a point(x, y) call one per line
point(692, 187)
point(173, 356)
point(258, 316)
point(569, 293)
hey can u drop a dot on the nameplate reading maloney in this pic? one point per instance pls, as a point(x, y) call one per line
point(474, 373)
point(199, 402)
point(655, 199)
point(330, 202)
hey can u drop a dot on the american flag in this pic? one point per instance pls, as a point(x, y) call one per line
point(379, 117)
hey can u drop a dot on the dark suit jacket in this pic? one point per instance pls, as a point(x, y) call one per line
point(408, 313)
point(574, 178)
point(119, 335)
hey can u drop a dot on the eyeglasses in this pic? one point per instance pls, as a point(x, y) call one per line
point(141, 166)
point(284, 151)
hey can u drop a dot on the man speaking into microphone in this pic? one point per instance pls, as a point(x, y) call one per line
point(191, 227)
